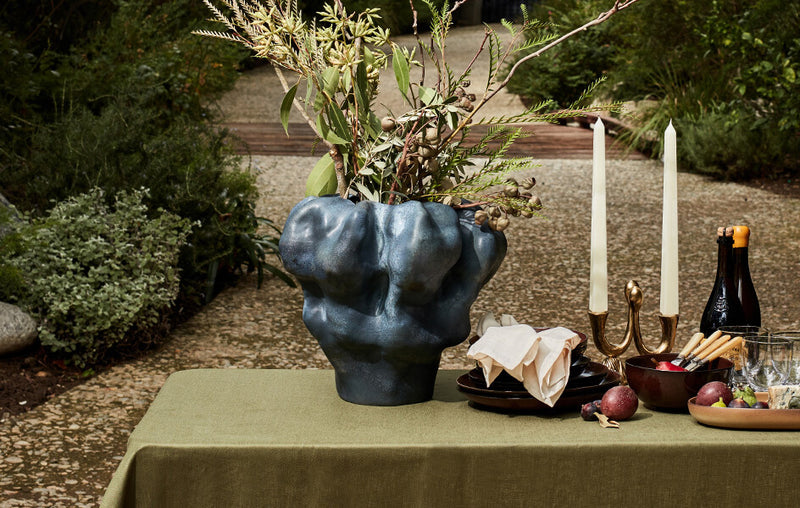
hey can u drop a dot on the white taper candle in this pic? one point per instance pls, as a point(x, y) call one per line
point(669, 227)
point(598, 276)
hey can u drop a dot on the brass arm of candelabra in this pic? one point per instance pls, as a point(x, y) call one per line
point(633, 332)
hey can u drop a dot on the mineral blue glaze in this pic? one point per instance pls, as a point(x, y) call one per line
point(387, 288)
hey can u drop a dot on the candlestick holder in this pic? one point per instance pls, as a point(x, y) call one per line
point(633, 332)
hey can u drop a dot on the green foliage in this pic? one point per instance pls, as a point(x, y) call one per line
point(12, 286)
point(420, 154)
point(128, 104)
point(395, 14)
point(725, 71)
point(100, 278)
point(562, 75)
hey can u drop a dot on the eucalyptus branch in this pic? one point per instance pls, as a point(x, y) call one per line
point(419, 41)
point(618, 6)
point(300, 107)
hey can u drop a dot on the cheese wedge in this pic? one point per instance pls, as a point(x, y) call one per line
point(784, 397)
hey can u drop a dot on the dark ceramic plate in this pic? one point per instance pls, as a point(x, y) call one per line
point(592, 374)
point(522, 401)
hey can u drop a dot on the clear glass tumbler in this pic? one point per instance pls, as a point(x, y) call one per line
point(766, 361)
point(794, 336)
point(734, 355)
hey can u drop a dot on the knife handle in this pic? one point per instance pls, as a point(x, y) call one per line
point(724, 349)
point(714, 347)
point(707, 343)
point(693, 342)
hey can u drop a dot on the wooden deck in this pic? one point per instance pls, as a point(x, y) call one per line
point(546, 141)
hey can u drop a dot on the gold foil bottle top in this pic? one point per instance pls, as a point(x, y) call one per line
point(729, 231)
point(741, 236)
point(720, 231)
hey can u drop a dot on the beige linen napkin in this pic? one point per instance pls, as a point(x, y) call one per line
point(540, 360)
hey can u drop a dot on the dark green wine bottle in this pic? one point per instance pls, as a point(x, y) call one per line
point(723, 307)
point(741, 277)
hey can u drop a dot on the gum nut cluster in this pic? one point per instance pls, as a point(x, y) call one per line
point(421, 159)
point(520, 203)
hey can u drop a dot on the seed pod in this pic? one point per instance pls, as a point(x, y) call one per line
point(480, 217)
point(466, 104)
point(471, 96)
point(427, 152)
point(494, 211)
point(432, 134)
point(432, 165)
point(511, 191)
point(388, 123)
point(528, 183)
point(456, 200)
point(502, 224)
point(446, 184)
point(466, 83)
point(493, 223)
point(514, 212)
point(459, 92)
point(447, 200)
point(526, 213)
point(535, 202)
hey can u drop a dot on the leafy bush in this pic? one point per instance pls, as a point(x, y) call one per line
point(12, 287)
point(100, 278)
point(563, 74)
point(122, 100)
point(726, 72)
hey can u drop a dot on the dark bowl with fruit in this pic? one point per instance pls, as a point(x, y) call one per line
point(668, 390)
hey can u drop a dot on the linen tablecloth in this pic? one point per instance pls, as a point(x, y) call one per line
point(242, 438)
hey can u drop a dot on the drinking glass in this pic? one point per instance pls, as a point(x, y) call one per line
point(794, 337)
point(746, 332)
point(766, 361)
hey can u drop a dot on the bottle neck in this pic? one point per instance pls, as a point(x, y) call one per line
point(724, 264)
point(740, 259)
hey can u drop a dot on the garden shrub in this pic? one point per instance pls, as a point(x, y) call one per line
point(726, 72)
point(101, 278)
point(565, 73)
point(121, 100)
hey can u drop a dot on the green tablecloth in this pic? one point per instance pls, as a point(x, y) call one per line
point(236, 438)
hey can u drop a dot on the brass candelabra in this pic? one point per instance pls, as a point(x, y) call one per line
point(633, 332)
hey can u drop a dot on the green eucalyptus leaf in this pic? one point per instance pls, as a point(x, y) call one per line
point(327, 134)
point(322, 179)
point(286, 107)
point(372, 196)
point(331, 80)
point(428, 95)
point(401, 72)
point(362, 87)
point(339, 123)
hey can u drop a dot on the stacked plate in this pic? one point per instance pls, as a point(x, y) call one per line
point(588, 381)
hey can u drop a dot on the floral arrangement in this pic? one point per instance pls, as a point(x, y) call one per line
point(334, 63)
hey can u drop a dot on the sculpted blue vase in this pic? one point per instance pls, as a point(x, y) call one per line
point(387, 288)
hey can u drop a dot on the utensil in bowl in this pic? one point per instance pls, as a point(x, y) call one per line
point(664, 390)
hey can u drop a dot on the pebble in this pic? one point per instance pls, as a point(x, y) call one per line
point(13, 459)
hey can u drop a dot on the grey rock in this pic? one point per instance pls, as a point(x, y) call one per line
point(17, 329)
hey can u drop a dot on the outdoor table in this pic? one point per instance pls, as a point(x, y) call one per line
point(236, 438)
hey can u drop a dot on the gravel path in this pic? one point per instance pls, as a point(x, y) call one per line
point(64, 452)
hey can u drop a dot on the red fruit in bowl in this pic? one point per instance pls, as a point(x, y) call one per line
point(711, 392)
point(669, 366)
point(619, 403)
